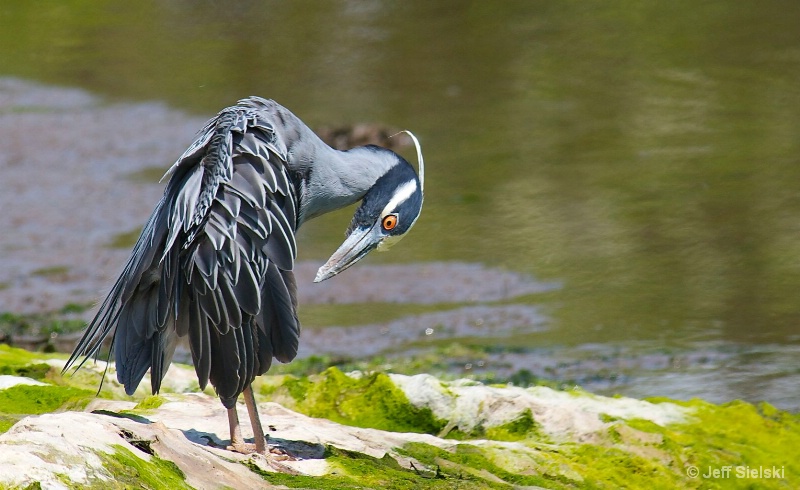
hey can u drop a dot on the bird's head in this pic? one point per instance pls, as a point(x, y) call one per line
point(388, 210)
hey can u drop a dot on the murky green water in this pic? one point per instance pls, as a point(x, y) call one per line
point(644, 155)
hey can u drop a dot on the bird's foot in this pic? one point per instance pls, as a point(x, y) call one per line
point(238, 445)
point(245, 448)
point(275, 452)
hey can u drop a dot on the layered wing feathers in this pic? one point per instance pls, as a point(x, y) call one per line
point(213, 262)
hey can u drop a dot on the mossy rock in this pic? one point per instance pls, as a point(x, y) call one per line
point(370, 400)
point(130, 471)
point(628, 443)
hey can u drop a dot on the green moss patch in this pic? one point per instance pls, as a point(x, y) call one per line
point(371, 472)
point(371, 400)
point(19, 401)
point(131, 471)
point(523, 427)
point(328, 482)
point(29, 400)
point(11, 356)
point(34, 371)
point(639, 453)
point(603, 467)
point(150, 402)
point(738, 434)
point(473, 466)
point(19, 362)
point(7, 421)
point(352, 470)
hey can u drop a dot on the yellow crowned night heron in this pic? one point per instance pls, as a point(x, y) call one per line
point(214, 261)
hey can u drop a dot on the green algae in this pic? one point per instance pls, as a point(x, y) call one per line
point(523, 427)
point(150, 402)
point(468, 463)
point(736, 434)
point(371, 400)
point(12, 356)
point(329, 482)
point(741, 433)
point(640, 453)
point(7, 421)
point(29, 399)
point(386, 472)
point(19, 362)
point(556, 467)
point(37, 371)
point(20, 401)
point(349, 471)
point(611, 467)
point(353, 470)
point(131, 471)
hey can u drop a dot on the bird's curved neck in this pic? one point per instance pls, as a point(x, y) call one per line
point(335, 179)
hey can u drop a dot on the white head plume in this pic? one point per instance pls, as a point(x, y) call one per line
point(420, 161)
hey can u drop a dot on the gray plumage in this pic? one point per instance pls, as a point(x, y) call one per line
point(214, 261)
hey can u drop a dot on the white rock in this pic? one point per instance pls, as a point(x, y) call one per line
point(7, 381)
point(559, 414)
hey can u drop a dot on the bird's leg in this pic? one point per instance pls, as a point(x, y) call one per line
point(237, 442)
point(255, 420)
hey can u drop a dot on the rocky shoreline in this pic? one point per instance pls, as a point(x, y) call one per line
point(373, 430)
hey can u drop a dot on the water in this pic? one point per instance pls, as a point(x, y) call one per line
point(643, 156)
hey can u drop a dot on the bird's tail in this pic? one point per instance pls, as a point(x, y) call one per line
point(136, 314)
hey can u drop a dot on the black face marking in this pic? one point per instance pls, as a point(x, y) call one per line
point(382, 193)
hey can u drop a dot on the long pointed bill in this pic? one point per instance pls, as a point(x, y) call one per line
point(360, 242)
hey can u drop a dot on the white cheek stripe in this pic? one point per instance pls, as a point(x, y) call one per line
point(401, 194)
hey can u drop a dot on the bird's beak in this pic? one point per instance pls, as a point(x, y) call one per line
point(360, 242)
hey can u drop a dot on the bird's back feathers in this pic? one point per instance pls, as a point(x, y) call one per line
point(213, 262)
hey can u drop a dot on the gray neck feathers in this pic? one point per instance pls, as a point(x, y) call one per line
point(335, 179)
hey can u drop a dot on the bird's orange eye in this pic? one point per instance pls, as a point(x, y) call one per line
point(389, 222)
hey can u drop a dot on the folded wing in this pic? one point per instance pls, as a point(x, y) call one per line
point(214, 263)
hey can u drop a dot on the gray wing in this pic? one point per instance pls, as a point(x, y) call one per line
point(213, 262)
